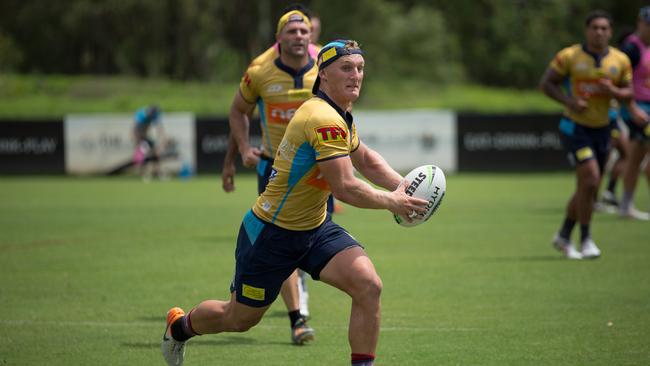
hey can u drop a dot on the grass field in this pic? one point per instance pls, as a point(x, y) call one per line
point(88, 268)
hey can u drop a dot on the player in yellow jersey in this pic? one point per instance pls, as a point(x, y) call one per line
point(277, 87)
point(596, 73)
point(289, 228)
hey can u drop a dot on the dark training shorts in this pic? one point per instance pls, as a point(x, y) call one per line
point(267, 254)
point(585, 143)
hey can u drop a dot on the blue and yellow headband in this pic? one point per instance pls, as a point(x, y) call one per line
point(332, 52)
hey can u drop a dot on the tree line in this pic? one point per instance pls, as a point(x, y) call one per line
point(491, 42)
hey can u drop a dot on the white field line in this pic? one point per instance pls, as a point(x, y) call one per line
point(104, 324)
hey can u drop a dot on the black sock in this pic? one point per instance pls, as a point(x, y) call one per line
point(612, 185)
point(179, 332)
point(567, 227)
point(584, 232)
point(294, 316)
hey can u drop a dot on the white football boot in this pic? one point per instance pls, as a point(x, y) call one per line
point(633, 213)
point(566, 246)
point(172, 350)
point(589, 250)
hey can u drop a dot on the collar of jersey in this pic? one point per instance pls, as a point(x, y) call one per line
point(347, 116)
point(598, 57)
point(292, 71)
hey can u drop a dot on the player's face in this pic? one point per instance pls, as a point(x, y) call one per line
point(598, 33)
point(344, 77)
point(294, 39)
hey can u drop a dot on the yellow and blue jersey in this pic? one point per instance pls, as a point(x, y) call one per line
point(584, 70)
point(296, 196)
point(278, 91)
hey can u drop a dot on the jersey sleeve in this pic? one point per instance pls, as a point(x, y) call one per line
point(561, 62)
point(248, 86)
point(626, 71)
point(354, 141)
point(329, 139)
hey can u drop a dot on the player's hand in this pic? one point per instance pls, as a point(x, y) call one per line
point(639, 116)
point(251, 157)
point(607, 87)
point(228, 177)
point(405, 205)
point(577, 105)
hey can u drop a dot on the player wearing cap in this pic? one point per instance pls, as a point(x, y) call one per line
point(637, 47)
point(288, 226)
point(277, 87)
point(597, 73)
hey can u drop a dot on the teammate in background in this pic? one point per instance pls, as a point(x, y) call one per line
point(278, 87)
point(145, 147)
point(620, 143)
point(597, 73)
point(274, 51)
point(635, 116)
point(288, 226)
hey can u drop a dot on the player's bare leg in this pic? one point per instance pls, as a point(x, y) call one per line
point(352, 272)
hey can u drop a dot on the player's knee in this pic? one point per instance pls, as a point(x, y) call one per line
point(369, 288)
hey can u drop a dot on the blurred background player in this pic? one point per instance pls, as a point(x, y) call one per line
point(278, 87)
point(635, 46)
point(597, 73)
point(145, 147)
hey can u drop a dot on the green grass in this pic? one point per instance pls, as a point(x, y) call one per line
point(88, 268)
point(56, 96)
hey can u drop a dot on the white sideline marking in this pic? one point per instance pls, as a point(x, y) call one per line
point(24, 322)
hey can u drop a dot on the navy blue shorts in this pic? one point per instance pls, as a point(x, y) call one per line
point(637, 132)
point(267, 254)
point(584, 143)
point(264, 170)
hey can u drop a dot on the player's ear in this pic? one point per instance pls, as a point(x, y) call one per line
point(321, 74)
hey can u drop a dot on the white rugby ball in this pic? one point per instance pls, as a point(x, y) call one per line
point(428, 183)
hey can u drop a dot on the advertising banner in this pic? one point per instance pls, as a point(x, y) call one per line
point(104, 143)
point(525, 142)
point(31, 147)
point(410, 138)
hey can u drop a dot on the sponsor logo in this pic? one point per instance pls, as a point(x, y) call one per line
point(253, 293)
point(415, 183)
point(274, 173)
point(331, 134)
point(274, 88)
point(281, 113)
point(584, 153)
point(589, 88)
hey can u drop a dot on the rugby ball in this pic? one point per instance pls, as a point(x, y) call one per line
point(428, 183)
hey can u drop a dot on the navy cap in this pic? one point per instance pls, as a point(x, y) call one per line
point(332, 52)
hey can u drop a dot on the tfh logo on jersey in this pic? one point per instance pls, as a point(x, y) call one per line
point(281, 113)
point(331, 134)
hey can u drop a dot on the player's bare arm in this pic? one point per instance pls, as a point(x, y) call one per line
point(239, 120)
point(339, 174)
point(375, 168)
point(551, 86)
point(623, 92)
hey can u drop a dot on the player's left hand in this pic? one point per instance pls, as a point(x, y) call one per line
point(607, 87)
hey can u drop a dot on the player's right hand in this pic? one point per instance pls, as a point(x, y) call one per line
point(251, 157)
point(228, 178)
point(577, 105)
point(404, 204)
